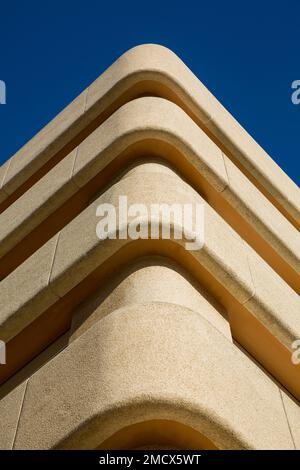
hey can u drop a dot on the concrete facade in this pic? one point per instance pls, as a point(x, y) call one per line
point(130, 343)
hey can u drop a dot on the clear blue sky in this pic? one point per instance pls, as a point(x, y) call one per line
point(246, 53)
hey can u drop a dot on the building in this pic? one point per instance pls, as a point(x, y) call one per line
point(140, 343)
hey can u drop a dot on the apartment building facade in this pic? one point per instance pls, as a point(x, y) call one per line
point(129, 342)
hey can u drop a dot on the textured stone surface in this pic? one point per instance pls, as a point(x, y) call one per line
point(150, 118)
point(148, 361)
point(10, 408)
point(24, 294)
point(148, 341)
point(256, 161)
point(160, 66)
point(150, 280)
point(37, 204)
point(157, 63)
point(262, 215)
point(274, 303)
point(80, 251)
point(44, 145)
point(292, 409)
point(3, 170)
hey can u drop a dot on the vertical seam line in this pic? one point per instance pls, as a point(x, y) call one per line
point(51, 267)
point(19, 417)
point(77, 149)
point(4, 177)
point(251, 274)
point(226, 172)
point(85, 99)
point(73, 167)
point(287, 419)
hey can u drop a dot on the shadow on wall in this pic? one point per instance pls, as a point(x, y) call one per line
point(157, 434)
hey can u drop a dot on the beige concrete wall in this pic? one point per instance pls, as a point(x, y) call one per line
point(126, 368)
point(154, 70)
point(145, 335)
